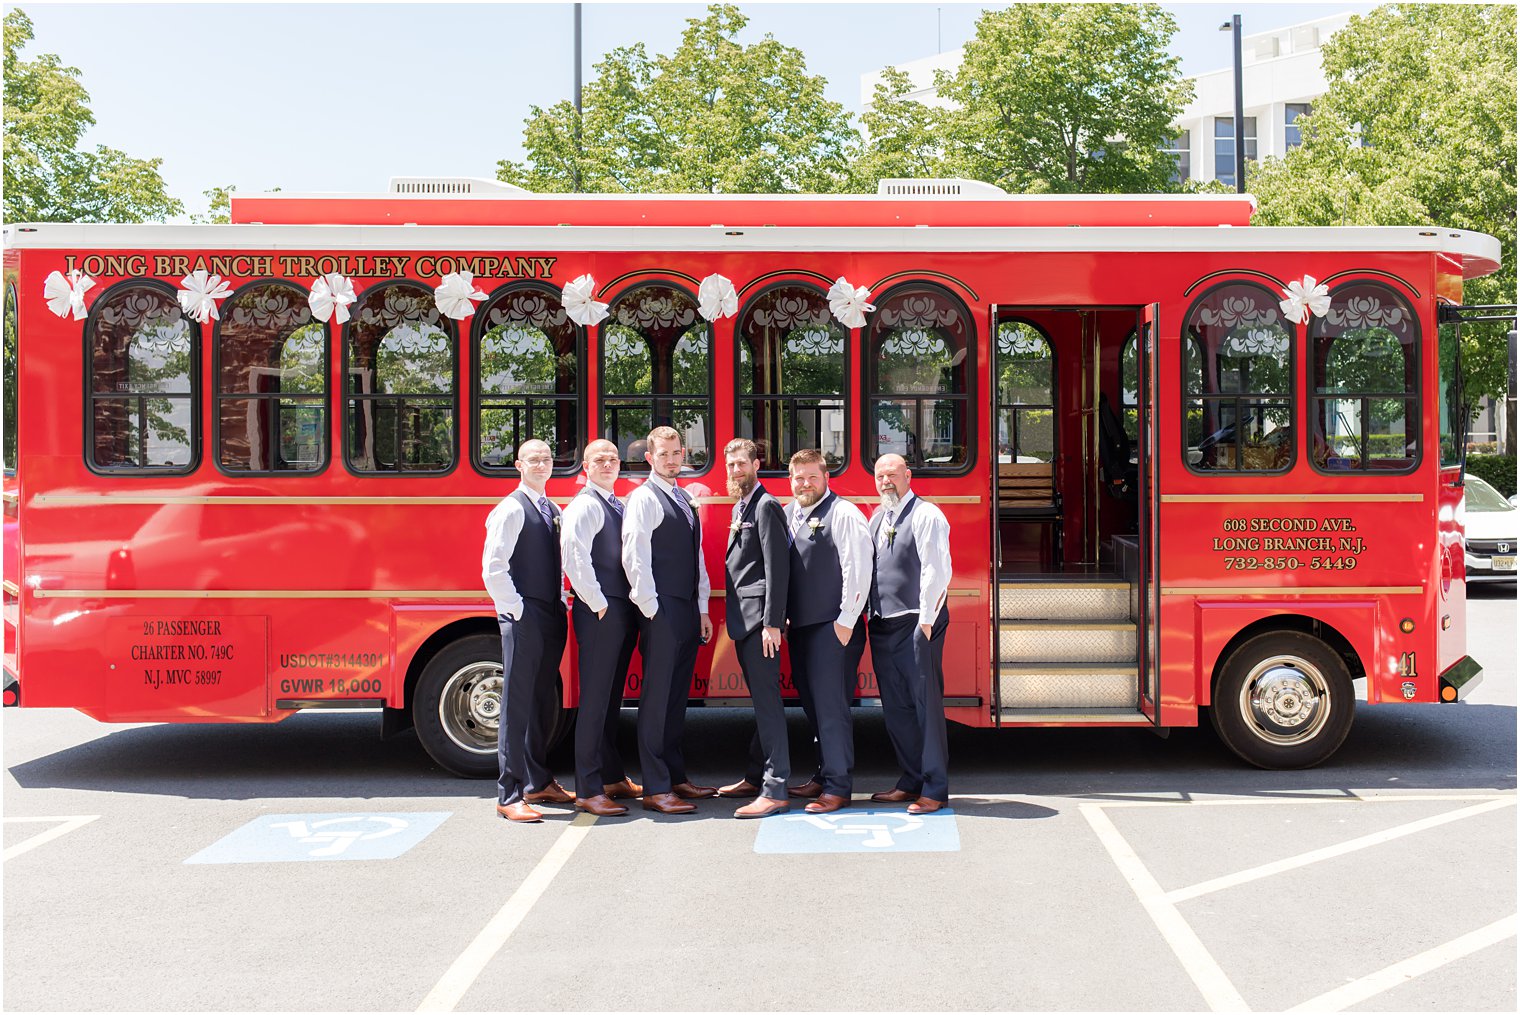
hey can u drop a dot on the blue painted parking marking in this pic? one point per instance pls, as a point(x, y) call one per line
point(284, 838)
point(864, 831)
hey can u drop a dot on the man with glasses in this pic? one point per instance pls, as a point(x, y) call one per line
point(521, 570)
point(667, 582)
point(606, 629)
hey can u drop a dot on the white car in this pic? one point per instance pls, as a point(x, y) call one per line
point(1492, 531)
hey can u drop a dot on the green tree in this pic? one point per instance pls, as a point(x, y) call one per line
point(1066, 98)
point(48, 177)
point(715, 116)
point(902, 136)
point(1417, 126)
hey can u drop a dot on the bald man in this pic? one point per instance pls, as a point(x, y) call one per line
point(521, 570)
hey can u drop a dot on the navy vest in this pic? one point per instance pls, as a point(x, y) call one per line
point(817, 585)
point(535, 563)
point(674, 546)
point(894, 583)
point(607, 549)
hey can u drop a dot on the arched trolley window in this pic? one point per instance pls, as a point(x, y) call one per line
point(1364, 362)
point(527, 378)
point(1239, 389)
point(144, 357)
point(919, 348)
point(399, 359)
point(1025, 394)
point(791, 376)
point(270, 362)
point(656, 371)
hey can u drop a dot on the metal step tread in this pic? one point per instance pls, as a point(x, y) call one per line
point(1075, 715)
point(1046, 581)
point(1067, 625)
point(1105, 668)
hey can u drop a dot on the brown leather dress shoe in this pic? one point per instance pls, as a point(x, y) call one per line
point(625, 790)
point(925, 805)
point(740, 790)
point(518, 811)
point(827, 802)
point(667, 803)
point(553, 793)
point(601, 805)
point(687, 791)
point(808, 790)
point(894, 796)
point(762, 807)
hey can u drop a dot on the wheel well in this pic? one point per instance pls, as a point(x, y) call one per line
point(399, 719)
point(1290, 622)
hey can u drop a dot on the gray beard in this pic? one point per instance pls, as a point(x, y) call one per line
point(890, 500)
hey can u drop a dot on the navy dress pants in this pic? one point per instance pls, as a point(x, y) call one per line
point(530, 653)
point(910, 673)
point(825, 673)
point(669, 642)
point(770, 764)
point(603, 648)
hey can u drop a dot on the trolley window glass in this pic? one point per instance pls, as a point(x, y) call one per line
point(11, 335)
point(791, 385)
point(1364, 361)
point(919, 347)
point(656, 371)
point(1026, 386)
point(527, 379)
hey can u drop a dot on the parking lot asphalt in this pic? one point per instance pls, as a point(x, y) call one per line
point(1079, 870)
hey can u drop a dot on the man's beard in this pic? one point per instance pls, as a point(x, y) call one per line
point(808, 498)
point(740, 487)
point(890, 499)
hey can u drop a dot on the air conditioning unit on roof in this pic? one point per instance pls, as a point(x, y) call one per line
point(948, 187)
point(451, 185)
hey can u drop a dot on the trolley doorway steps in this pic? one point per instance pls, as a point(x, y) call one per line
point(1067, 649)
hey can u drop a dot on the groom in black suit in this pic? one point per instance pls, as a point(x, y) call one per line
point(758, 567)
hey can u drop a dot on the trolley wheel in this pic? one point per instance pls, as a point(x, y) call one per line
point(456, 707)
point(1283, 700)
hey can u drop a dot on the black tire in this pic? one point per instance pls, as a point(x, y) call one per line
point(457, 704)
point(1283, 700)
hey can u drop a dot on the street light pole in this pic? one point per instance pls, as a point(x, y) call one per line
point(1240, 116)
point(575, 181)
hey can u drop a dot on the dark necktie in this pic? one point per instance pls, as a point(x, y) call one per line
point(617, 505)
point(680, 499)
point(547, 511)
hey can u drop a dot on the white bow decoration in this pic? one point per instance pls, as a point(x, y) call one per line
point(1303, 298)
point(716, 298)
point(199, 295)
point(330, 295)
point(580, 302)
point(849, 303)
point(67, 294)
point(455, 293)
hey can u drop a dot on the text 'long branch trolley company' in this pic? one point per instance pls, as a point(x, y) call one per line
point(1187, 463)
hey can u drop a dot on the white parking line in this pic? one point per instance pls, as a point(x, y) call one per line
point(1357, 991)
point(66, 825)
point(1266, 870)
point(473, 960)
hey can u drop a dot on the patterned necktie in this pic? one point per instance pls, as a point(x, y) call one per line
point(680, 499)
point(885, 536)
point(617, 505)
point(791, 532)
point(545, 510)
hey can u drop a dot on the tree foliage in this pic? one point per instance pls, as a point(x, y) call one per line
point(48, 177)
point(1417, 126)
point(1066, 98)
point(714, 116)
point(904, 137)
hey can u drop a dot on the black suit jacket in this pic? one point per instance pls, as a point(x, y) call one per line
point(759, 566)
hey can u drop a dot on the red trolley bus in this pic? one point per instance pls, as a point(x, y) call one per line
point(1188, 463)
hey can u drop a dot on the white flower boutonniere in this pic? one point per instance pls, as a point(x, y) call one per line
point(556, 524)
point(891, 535)
point(815, 525)
point(735, 525)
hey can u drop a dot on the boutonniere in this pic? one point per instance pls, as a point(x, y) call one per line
point(814, 525)
point(891, 535)
point(735, 525)
point(556, 523)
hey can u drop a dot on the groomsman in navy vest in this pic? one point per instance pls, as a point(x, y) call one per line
point(521, 570)
point(908, 620)
point(606, 630)
point(830, 580)
point(758, 565)
point(667, 580)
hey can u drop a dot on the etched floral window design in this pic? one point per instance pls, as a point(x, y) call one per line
point(527, 379)
point(142, 382)
point(919, 350)
point(270, 363)
point(400, 362)
point(656, 353)
point(1364, 387)
point(1025, 394)
point(1238, 385)
point(791, 376)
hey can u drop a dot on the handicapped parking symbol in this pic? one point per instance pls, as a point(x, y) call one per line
point(878, 832)
point(339, 840)
point(276, 838)
point(863, 831)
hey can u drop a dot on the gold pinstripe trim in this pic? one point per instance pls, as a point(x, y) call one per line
point(1247, 272)
point(647, 271)
point(926, 273)
point(1295, 498)
point(761, 280)
point(99, 499)
point(1374, 272)
point(1278, 590)
point(12, 589)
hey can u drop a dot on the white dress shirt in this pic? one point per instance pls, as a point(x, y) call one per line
point(503, 526)
point(646, 510)
point(852, 538)
point(931, 536)
point(582, 520)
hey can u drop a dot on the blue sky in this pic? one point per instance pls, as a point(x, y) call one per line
point(340, 97)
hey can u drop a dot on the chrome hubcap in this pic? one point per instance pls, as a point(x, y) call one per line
point(1286, 699)
point(469, 709)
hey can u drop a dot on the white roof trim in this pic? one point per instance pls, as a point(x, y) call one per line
point(718, 199)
